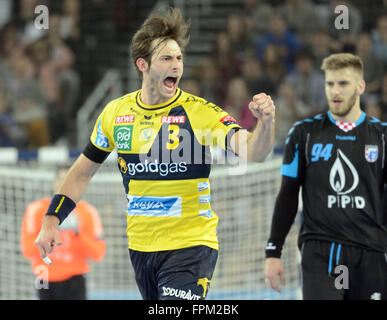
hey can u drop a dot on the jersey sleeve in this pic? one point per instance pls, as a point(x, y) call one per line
point(214, 125)
point(102, 135)
point(293, 158)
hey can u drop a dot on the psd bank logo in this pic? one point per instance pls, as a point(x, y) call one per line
point(123, 137)
point(344, 179)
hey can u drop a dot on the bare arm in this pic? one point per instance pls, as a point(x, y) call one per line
point(257, 145)
point(74, 187)
point(78, 178)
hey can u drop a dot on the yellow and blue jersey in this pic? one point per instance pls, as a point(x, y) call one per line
point(165, 160)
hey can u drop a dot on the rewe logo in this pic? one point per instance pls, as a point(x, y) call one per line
point(125, 119)
point(172, 119)
point(343, 179)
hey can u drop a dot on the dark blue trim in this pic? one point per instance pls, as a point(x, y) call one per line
point(331, 258)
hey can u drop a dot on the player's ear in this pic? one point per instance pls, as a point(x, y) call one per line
point(142, 64)
point(361, 87)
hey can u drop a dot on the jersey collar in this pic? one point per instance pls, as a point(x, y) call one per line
point(357, 123)
point(157, 106)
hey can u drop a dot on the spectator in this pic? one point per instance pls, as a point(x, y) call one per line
point(308, 83)
point(9, 132)
point(301, 17)
point(225, 57)
point(70, 20)
point(272, 65)
point(321, 46)
point(289, 110)
point(8, 40)
point(285, 41)
point(379, 38)
point(238, 35)
point(373, 67)
point(258, 14)
point(53, 61)
point(27, 101)
point(209, 77)
point(257, 80)
point(237, 103)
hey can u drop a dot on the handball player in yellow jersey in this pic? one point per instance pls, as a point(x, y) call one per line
point(163, 137)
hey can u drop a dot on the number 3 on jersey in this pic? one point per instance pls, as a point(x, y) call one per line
point(173, 137)
point(319, 151)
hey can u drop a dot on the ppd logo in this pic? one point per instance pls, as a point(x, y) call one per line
point(123, 137)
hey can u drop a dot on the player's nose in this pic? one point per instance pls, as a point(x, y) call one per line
point(335, 90)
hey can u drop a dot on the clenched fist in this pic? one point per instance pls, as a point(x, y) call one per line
point(262, 107)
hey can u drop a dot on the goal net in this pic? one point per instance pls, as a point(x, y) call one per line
point(244, 204)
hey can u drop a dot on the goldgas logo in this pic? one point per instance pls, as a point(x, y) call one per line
point(123, 137)
point(122, 164)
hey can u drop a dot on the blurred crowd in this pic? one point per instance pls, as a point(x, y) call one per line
point(277, 47)
point(273, 46)
point(46, 73)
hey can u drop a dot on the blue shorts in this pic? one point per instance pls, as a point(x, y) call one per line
point(183, 274)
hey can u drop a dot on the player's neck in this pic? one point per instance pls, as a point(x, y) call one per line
point(151, 96)
point(351, 117)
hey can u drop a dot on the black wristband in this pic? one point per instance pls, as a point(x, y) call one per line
point(273, 250)
point(60, 207)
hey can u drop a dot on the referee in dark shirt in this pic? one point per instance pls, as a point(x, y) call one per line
point(338, 159)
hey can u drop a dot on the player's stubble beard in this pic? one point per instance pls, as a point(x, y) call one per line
point(343, 111)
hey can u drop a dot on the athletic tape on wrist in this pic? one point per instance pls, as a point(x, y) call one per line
point(60, 207)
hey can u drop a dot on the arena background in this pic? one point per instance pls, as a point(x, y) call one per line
point(54, 82)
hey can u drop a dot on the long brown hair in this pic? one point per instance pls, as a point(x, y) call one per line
point(163, 26)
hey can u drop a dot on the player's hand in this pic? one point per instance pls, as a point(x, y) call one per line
point(262, 107)
point(273, 269)
point(48, 237)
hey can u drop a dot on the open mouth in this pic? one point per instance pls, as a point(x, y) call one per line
point(170, 82)
point(337, 102)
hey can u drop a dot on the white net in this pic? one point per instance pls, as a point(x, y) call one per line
point(244, 204)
